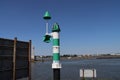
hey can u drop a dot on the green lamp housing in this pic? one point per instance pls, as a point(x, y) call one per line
point(56, 28)
point(47, 16)
point(47, 39)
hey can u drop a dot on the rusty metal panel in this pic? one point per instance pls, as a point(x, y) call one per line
point(6, 52)
point(22, 59)
point(14, 59)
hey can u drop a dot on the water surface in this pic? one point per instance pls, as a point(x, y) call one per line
point(107, 69)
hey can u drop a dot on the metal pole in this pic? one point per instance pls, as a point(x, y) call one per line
point(14, 59)
point(56, 74)
point(93, 74)
point(29, 61)
point(46, 27)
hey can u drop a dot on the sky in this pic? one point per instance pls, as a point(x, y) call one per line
point(87, 26)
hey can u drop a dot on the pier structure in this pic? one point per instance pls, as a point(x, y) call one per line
point(56, 65)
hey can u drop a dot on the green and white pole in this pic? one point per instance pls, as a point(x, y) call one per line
point(56, 65)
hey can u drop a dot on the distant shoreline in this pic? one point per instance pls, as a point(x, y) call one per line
point(80, 58)
point(108, 57)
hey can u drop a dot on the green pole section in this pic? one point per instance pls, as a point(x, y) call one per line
point(56, 46)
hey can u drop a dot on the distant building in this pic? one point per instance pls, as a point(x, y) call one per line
point(33, 53)
point(117, 54)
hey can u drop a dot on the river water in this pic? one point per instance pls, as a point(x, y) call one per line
point(106, 69)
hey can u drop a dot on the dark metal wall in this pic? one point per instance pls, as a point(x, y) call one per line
point(14, 59)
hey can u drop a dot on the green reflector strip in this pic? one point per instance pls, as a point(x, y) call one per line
point(56, 42)
point(56, 56)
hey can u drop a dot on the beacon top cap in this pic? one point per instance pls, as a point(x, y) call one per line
point(47, 16)
point(56, 28)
